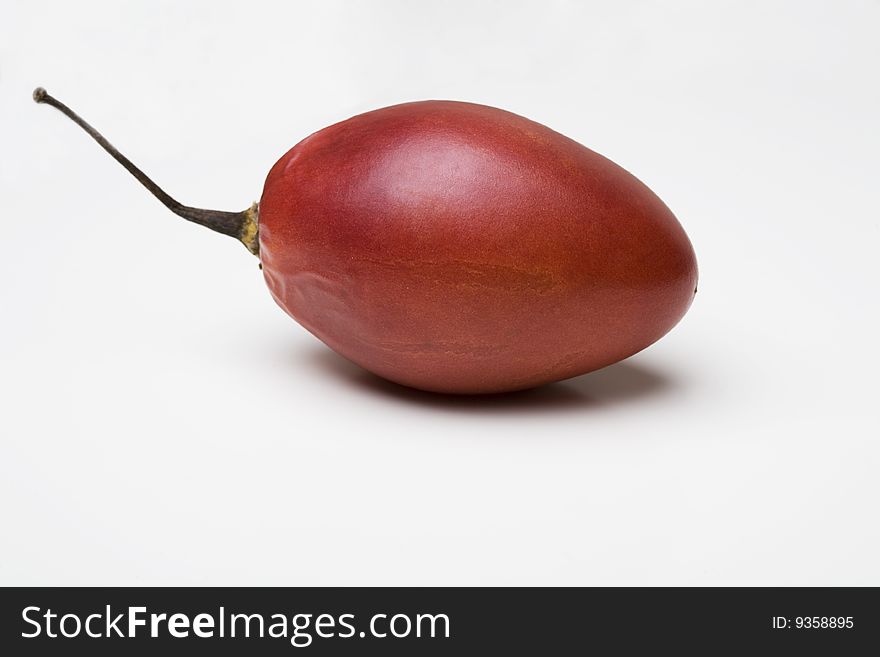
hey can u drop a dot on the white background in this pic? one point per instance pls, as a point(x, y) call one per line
point(163, 422)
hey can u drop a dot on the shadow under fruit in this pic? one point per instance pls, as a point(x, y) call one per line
point(459, 248)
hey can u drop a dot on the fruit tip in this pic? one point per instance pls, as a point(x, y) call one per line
point(39, 95)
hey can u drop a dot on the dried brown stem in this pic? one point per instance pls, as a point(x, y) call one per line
point(241, 225)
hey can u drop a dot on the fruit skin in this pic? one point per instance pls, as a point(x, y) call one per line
point(459, 248)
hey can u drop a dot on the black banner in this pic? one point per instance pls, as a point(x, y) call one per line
point(413, 621)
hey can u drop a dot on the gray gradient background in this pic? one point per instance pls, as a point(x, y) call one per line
point(163, 422)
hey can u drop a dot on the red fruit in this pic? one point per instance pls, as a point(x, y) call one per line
point(460, 248)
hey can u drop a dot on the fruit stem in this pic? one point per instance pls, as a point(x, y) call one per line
point(241, 225)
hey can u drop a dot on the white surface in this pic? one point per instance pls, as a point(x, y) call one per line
point(163, 422)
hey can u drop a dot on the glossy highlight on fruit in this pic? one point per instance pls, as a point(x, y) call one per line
point(459, 248)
